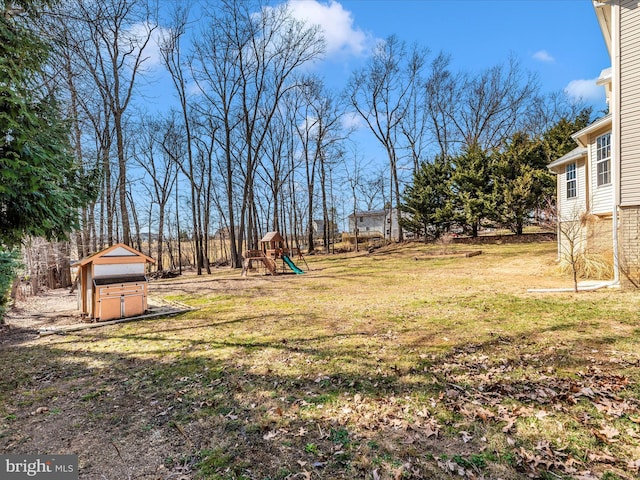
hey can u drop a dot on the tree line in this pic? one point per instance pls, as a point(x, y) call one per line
point(249, 139)
point(507, 186)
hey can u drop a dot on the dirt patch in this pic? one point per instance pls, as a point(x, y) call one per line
point(50, 309)
point(65, 404)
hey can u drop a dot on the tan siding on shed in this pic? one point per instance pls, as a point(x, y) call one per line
point(629, 102)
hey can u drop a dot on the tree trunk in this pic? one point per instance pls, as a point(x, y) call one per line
point(122, 177)
point(159, 252)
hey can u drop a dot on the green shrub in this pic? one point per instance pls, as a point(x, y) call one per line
point(8, 267)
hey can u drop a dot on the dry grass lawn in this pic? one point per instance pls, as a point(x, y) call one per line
point(394, 365)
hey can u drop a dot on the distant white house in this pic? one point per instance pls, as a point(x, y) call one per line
point(318, 228)
point(599, 181)
point(376, 223)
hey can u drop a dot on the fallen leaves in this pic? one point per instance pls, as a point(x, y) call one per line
point(510, 393)
point(607, 434)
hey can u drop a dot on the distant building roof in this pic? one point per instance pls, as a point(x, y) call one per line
point(369, 213)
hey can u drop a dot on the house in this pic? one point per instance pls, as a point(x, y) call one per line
point(318, 228)
point(376, 223)
point(599, 181)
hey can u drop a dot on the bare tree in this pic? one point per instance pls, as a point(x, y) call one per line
point(381, 92)
point(319, 133)
point(493, 105)
point(443, 93)
point(353, 175)
point(148, 154)
point(246, 61)
point(172, 58)
point(112, 37)
point(581, 248)
point(275, 165)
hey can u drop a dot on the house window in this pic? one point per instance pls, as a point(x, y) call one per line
point(361, 219)
point(572, 182)
point(603, 159)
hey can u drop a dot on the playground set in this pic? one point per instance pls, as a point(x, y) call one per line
point(272, 248)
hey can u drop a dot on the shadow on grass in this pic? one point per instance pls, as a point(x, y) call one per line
point(161, 398)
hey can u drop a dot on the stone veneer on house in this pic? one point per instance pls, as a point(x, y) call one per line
point(629, 245)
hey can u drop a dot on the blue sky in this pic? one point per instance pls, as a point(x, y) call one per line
point(558, 39)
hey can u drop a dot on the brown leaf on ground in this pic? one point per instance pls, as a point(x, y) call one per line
point(270, 435)
point(603, 457)
point(466, 436)
point(607, 434)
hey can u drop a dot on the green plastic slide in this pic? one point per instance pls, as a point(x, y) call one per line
point(292, 265)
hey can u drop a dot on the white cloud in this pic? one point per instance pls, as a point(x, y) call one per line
point(336, 23)
point(352, 120)
point(584, 89)
point(194, 89)
point(543, 56)
point(138, 33)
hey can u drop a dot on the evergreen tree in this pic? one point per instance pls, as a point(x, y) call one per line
point(520, 181)
point(428, 200)
point(472, 188)
point(40, 183)
point(41, 186)
point(557, 141)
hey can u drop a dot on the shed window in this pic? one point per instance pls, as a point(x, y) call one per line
point(572, 183)
point(603, 159)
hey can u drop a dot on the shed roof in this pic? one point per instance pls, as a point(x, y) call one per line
point(115, 251)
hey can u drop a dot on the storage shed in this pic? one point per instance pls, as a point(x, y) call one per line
point(113, 283)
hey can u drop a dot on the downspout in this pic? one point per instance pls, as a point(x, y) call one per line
point(558, 219)
point(615, 125)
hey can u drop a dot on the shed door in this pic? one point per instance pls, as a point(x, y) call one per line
point(120, 300)
point(133, 304)
point(109, 307)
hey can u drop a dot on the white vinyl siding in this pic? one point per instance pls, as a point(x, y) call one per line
point(629, 102)
point(601, 200)
point(570, 207)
